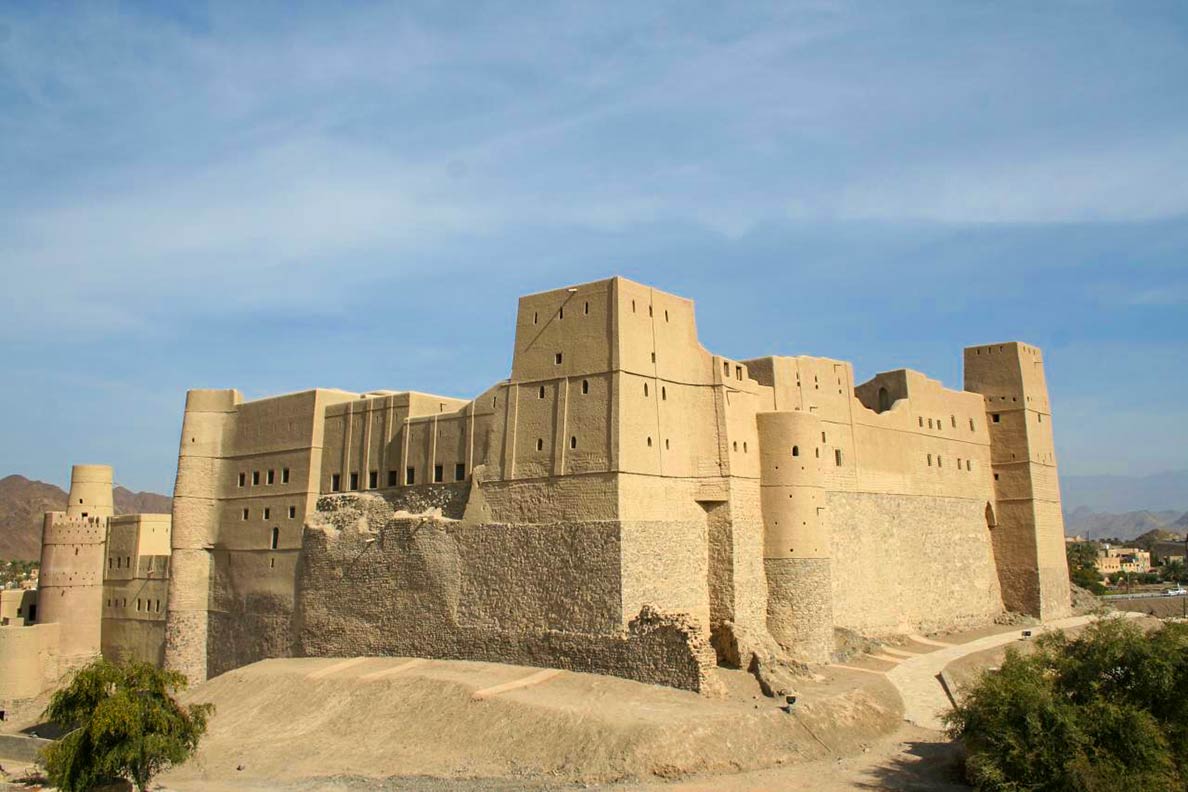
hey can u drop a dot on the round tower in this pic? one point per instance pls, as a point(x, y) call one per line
point(90, 491)
point(797, 556)
point(73, 546)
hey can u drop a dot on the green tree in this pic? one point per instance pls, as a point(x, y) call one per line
point(121, 722)
point(1103, 711)
point(1082, 566)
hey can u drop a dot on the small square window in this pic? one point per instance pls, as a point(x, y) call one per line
point(373, 479)
point(410, 475)
point(336, 482)
point(438, 473)
point(995, 417)
point(460, 471)
point(354, 481)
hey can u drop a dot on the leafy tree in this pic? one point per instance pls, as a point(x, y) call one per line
point(122, 722)
point(1103, 711)
point(1082, 567)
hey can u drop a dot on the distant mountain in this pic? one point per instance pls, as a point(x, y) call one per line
point(23, 502)
point(1126, 526)
point(1120, 494)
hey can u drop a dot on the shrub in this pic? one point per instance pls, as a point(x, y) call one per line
point(1104, 711)
point(121, 722)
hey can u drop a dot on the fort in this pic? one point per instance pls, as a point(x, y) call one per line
point(625, 503)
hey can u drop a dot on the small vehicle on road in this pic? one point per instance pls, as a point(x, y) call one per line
point(1178, 591)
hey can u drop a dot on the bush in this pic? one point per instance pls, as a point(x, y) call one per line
point(1105, 711)
point(122, 722)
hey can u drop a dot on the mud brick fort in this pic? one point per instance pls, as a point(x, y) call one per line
point(626, 503)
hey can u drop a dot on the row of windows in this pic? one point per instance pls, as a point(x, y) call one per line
point(738, 371)
point(145, 605)
point(939, 424)
point(410, 477)
point(247, 513)
point(837, 452)
point(940, 463)
point(270, 477)
point(586, 312)
point(127, 562)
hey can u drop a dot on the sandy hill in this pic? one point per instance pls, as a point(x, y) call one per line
point(24, 501)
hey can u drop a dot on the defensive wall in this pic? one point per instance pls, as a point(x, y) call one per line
point(620, 478)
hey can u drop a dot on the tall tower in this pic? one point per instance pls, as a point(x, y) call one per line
point(797, 556)
point(205, 426)
point(70, 582)
point(1025, 521)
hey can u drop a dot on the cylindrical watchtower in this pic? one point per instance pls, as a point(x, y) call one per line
point(70, 581)
point(797, 556)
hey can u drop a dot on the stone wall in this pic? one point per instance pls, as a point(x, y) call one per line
point(908, 563)
point(375, 583)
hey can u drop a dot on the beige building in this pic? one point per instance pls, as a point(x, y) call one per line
point(626, 502)
point(1122, 559)
point(94, 566)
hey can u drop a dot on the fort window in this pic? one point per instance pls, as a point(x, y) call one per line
point(884, 400)
point(292, 512)
point(271, 476)
point(138, 604)
point(837, 456)
point(438, 473)
point(666, 314)
point(725, 369)
point(991, 522)
point(744, 446)
point(275, 537)
point(561, 312)
point(540, 444)
point(929, 423)
point(930, 460)
point(663, 393)
point(1039, 417)
point(795, 450)
point(354, 481)
point(921, 419)
point(649, 442)
point(336, 482)
point(557, 359)
point(494, 401)
point(653, 357)
point(971, 424)
point(373, 479)
point(284, 475)
point(649, 309)
point(938, 461)
point(817, 452)
point(272, 563)
point(587, 308)
point(460, 471)
point(540, 393)
point(410, 475)
point(128, 561)
point(242, 479)
point(245, 514)
point(255, 478)
point(968, 465)
point(633, 306)
point(666, 445)
point(392, 478)
point(738, 372)
point(267, 513)
point(959, 463)
point(573, 441)
point(823, 440)
point(995, 417)
point(585, 386)
point(735, 445)
point(109, 564)
point(645, 389)
point(535, 317)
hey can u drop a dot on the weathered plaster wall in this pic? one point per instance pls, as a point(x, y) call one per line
point(542, 594)
point(909, 563)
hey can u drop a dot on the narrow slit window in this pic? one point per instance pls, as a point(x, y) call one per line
point(645, 389)
point(245, 514)
point(585, 386)
point(561, 312)
point(275, 538)
point(284, 475)
point(587, 308)
point(971, 424)
point(242, 479)
point(292, 512)
point(354, 481)
point(438, 474)
point(271, 477)
point(540, 444)
point(649, 442)
point(255, 478)
point(837, 456)
point(930, 460)
point(535, 317)
point(335, 482)
point(267, 513)
point(373, 479)
point(663, 393)
point(557, 359)
point(540, 393)
point(666, 445)
point(953, 418)
point(410, 475)
point(573, 441)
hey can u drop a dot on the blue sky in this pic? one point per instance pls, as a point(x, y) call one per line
point(274, 197)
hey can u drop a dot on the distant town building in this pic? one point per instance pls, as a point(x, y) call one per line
point(1111, 560)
